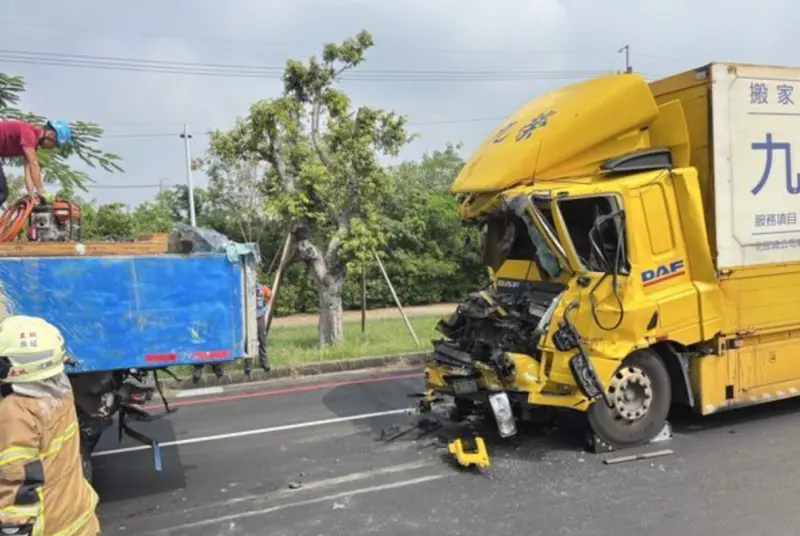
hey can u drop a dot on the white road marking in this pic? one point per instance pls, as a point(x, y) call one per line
point(317, 484)
point(352, 477)
point(198, 392)
point(308, 502)
point(259, 431)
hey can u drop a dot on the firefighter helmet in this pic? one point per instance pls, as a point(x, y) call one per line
point(31, 350)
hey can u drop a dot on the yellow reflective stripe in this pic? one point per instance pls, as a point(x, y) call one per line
point(38, 526)
point(85, 517)
point(17, 454)
point(58, 442)
point(32, 511)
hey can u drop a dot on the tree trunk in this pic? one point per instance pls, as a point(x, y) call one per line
point(329, 274)
point(331, 329)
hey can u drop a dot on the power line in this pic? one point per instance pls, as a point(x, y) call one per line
point(216, 39)
point(276, 72)
point(208, 132)
point(454, 121)
point(120, 186)
point(144, 135)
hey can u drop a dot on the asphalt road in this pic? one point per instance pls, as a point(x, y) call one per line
point(306, 459)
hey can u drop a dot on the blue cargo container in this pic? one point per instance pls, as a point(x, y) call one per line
point(135, 312)
point(124, 316)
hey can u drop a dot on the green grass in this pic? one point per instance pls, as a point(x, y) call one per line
point(292, 346)
point(295, 346)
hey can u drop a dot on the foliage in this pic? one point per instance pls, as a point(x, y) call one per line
point(85, 137)
point(323, 176)
point(431, 256)
point(235, 197)
point(116, 221)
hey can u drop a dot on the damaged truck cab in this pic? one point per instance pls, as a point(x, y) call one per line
point(608, 293)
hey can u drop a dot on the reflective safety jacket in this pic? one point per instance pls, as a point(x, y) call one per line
point(41, 478)
point(262, 297)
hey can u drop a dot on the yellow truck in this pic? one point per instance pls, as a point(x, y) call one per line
point(643, 244)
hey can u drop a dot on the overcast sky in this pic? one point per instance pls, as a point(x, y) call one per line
point(141, 109)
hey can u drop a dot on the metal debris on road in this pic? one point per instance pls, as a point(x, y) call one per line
point(424, 426)
point(637, 457)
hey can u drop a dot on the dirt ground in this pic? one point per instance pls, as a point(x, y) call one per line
point(355, 316)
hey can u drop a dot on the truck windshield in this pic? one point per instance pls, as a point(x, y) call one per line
point(513, 235)
point(597, 236)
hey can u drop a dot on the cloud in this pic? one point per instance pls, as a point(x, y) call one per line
point(444, 35)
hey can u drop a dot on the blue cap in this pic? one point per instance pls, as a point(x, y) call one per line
point(62, 130)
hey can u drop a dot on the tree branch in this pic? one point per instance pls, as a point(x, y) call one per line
point(275, 157)
point(308, 253)
point(335, 244)
point(316, 111)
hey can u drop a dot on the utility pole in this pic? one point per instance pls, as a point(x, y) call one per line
point(161, 182)
point(186, 137)
point(627, 49)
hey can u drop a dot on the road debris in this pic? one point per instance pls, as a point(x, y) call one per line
point(637, 457)
point(295, 485)
point(424, 426)
point(470, 451)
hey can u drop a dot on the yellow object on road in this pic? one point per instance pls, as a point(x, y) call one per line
point(473, 454)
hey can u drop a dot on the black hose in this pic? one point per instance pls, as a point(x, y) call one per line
point(614, 279)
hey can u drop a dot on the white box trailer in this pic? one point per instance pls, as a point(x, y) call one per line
point(755, 145)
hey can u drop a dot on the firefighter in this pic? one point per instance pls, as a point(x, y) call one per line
point(262, 306)
point(263, 294)
point(43, 490)
point(21, 140)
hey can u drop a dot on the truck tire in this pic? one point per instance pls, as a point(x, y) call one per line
point(641, 393)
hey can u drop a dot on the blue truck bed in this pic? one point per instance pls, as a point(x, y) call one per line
point(136, 312)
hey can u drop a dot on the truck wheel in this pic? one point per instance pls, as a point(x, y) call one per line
point(641, 394)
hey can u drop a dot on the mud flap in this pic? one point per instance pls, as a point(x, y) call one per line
point(566, 338)
point(140, 415)
point(585, 376)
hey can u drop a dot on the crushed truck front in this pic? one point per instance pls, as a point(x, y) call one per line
point(599, 258)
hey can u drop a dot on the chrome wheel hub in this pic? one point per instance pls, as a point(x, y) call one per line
point(631, 394)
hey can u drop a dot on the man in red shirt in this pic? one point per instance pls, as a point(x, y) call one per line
point(21, 140)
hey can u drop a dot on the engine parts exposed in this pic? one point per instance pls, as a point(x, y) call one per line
point(489, 323)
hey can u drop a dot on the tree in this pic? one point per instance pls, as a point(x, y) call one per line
point(435, 254)
point(235, 198)
point(153, 217)
point(54, 165)
point(324, 178)
point(16, 185)
point(176, 199)
point(108, 222)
